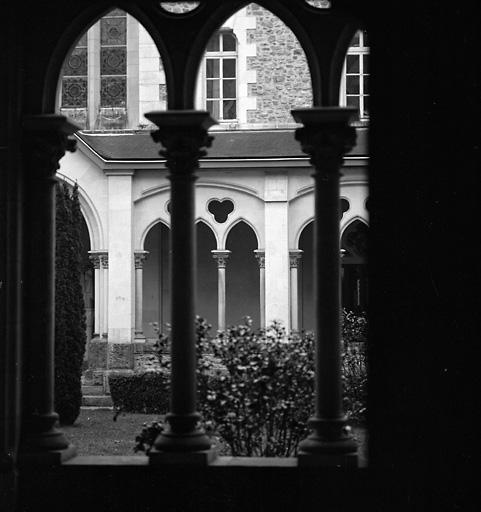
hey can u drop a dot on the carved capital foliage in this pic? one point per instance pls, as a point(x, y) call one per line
point(139, 259)
point(104, 261)
point(294, 257)
point(183, 134)
point(46, 139)
point(95, 259)
point(183, 148)
point(326, 146)
point(221, 258)
point(261, 258)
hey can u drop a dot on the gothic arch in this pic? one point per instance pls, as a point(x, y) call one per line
point(301, 229)
point(352, 221)
point(220, 13)
point(238, 221)
point(145, 232)
point(90, 213)
point(200, 220)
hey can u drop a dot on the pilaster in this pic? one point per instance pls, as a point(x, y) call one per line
point(276, 248)
point(120, 312)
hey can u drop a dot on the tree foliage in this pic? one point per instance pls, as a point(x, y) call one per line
point(70, 328)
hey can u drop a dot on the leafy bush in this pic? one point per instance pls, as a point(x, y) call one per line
point(70, 334)
point(255, 388)
point(143, 393)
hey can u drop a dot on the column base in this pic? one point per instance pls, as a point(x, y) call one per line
point(40, 435)
point(330, 444)
point(139, 336)
point(182, 435)
point(50, 458)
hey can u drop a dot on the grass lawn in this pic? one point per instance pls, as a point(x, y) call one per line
point(95, 433)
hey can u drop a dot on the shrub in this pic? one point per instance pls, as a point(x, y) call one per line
point(70, 334)
point(255, 388)
point(143, 393)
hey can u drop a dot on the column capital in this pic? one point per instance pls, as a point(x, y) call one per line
point(221, 257)
point(140, 256)
point(183, 134)
point(104, 259)
point(294, 256)
point(48, 137)
point(260, 256)
point(326, 136)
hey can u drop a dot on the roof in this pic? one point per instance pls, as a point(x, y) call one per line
point(226, 144)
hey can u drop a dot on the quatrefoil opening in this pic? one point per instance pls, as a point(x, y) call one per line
point(220, 209)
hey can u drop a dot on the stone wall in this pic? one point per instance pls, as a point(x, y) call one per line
point(283, 78)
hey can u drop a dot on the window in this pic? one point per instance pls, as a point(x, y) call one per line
point(356, 79)
point(113, 59)
point(221, 76)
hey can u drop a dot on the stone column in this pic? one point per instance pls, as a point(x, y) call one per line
point(326, 136)
point(294, 257)
point(260, 256)
point(221, 258)
point(46, 138)
point(97, 347)
point(140, 256)
point(104, 294)
point(95, 259)
point(183, 134)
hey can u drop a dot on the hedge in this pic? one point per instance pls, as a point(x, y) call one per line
point(141, 392)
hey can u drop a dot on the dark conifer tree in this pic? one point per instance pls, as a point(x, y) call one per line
point(69, 306)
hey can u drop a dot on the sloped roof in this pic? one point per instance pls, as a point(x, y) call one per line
point(227, 144)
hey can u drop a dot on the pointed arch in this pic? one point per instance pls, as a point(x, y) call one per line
point(145, 232)
point(301, 229)
point(200, 220)
point(352, 221)
point(238, 221)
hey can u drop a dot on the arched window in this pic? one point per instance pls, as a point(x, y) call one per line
point(115, 51)
point(221, 76)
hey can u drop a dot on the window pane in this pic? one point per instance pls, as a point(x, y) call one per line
point(352, 101)
point(212, 68)
point(228, 68)
point(352, 84)
point(366, 85)
point(352, 64)
point(228, 42)
point(365, 112)
point(365, 63)
point(229, 109)
point(213, 108)
point(212, 88)
point(74, 92)
point(213, 44)
point(228, 89)
point(355, 40)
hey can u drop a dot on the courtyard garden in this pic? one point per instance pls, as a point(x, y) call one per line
point(255, 394)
